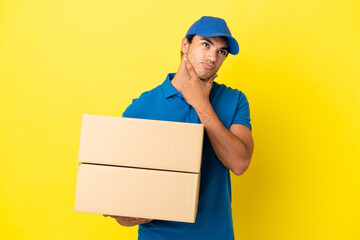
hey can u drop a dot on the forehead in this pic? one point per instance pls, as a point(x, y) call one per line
point(219, 41)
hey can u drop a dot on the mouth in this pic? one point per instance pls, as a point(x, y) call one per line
point(208, 66)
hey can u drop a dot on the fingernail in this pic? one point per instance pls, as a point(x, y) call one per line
point(185, 58)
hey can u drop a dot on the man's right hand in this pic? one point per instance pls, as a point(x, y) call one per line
point(129, 221)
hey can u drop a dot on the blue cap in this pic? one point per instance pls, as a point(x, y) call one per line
point(214, 27)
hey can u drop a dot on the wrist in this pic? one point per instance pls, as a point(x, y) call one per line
point(203, 108)
point(206, 114)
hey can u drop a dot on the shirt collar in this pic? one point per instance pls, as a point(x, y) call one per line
point(167, 87)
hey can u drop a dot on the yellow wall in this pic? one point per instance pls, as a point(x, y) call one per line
point(298, 66)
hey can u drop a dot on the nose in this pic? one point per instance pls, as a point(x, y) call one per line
point(212, 56)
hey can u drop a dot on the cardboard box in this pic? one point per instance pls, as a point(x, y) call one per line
point(139, 168)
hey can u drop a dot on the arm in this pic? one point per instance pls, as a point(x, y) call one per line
point(233, 147)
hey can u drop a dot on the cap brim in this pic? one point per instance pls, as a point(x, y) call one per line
point(233, 44)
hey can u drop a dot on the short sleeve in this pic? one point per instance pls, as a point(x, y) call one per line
point(242, 114)
point(130, 111)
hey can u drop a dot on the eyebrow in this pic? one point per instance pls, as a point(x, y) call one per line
point(209, 41)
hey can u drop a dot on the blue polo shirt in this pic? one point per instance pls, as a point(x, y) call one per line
point(214, 217)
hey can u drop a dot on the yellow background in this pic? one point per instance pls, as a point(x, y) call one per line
point(298, 65)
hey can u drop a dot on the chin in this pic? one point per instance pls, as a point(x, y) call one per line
point(204, 77)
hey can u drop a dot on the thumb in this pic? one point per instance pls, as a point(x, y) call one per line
point(211, 79)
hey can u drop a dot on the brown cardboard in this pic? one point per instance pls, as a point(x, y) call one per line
point(141, 143)
point(133, 192)
point(139, 168)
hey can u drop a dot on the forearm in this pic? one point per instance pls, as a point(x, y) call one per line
point(231, 150)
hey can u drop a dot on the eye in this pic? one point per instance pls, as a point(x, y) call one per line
point(205, 44)
point(222, 52)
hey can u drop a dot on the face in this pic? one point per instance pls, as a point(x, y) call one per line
point(206, 54)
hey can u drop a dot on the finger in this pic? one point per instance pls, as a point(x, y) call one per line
point(147, 220)
point(121, 218)
point(142, 219)
point(139, 222)
point(139, 219)
point(189, 67)
point(211, 79)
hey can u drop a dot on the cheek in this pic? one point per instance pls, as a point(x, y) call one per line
point(220, 63)
point(196, 53)
point(193, 59)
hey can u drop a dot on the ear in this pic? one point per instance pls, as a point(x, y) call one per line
point(184, 45)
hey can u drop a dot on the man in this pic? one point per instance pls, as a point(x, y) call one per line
point(191, 95)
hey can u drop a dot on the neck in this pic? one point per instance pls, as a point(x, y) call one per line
point(180, 77)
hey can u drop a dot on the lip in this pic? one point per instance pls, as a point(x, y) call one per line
point(208, 66)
